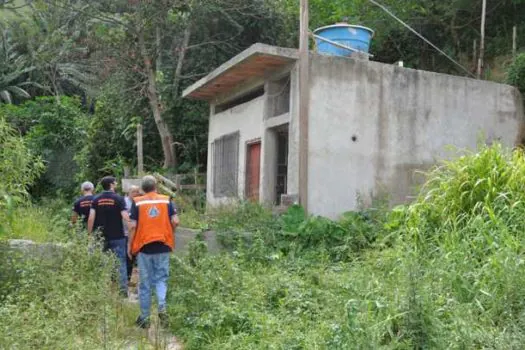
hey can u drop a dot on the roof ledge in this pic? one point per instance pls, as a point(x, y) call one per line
point(255, 61)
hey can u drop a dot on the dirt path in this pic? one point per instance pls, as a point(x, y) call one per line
point(158, 337)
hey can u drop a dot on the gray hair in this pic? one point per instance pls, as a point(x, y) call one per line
point(149, 183)
point(87, 186)
point(133, 188)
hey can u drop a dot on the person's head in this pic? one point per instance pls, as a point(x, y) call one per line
point(87, 187)
point(133, 191)
point(149, 184)
point(109, 183)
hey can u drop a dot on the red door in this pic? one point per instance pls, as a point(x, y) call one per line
point(253, 171)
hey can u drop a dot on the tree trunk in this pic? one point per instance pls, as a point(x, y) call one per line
point(170, 159)
point(180, 61)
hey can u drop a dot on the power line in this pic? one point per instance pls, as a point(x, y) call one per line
point(421, 37)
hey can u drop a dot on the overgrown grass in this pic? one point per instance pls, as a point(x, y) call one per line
point(61, 297)
point(447, 271)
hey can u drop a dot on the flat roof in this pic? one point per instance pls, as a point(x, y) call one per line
point(255, 61)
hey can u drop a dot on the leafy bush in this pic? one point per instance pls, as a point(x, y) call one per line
point(447, 271)
point(56, 132)
point(516, 73)
point(295, 232)
point(19, 168)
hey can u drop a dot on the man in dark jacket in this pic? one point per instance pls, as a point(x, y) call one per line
point(107, 217)
point(83, 204)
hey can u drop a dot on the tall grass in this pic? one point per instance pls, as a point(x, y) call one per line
point(446, 272)
point(61, 296)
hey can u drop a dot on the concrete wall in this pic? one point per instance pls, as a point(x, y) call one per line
point(246, 118)
point(253, 121)
point(373, 125)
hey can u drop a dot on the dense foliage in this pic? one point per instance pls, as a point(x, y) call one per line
point(19, 167)
point(54, 131)
point(446, 271)
point(516, 73)
point(62, 298)
point(136, 58)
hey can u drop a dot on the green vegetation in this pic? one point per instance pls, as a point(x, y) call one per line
point(77, 77)
point(128, 63)
point(61, 297)
point(55, 131)
point(444, 272)
point(516, 73)
point(19, 167)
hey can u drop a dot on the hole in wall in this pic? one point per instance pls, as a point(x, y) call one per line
point(354, 138)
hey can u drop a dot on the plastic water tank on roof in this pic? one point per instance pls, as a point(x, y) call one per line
point(355, 37)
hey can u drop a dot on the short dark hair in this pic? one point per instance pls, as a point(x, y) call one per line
point(107, 181)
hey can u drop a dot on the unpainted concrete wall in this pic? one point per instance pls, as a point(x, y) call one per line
point(373, 125)
point(246, 118)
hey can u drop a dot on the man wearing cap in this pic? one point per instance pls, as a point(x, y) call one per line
point(153, 221)
point(83, 204)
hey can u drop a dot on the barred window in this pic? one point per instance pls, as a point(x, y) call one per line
point(226, 165)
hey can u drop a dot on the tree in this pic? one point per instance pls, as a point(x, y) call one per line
point(149, 44)
point(14, 70)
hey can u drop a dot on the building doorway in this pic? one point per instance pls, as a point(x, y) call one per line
point(253, 170)
point(281, 181)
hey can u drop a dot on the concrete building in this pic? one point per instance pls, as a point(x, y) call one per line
point(371, 126)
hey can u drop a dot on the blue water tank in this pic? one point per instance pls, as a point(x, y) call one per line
point(356, 37)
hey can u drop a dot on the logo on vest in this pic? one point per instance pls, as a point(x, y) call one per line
point(153, 212)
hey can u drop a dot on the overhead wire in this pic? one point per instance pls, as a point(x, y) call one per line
point(422, 37)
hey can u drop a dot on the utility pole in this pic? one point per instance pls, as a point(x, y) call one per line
point(304, 103)
point(482, 42)
point(140, 154)
point(514, 39)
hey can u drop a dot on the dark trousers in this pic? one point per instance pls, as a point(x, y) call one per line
point(119, 248)
point(130, 262)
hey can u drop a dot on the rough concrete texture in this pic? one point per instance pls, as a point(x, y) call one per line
point(40, 250)
point(246, 118)
point(373, 125)
point(256, 51)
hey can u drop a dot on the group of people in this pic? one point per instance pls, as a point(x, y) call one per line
point(140, 226)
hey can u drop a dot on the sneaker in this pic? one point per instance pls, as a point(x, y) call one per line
point(164, 319)
point(142, 323)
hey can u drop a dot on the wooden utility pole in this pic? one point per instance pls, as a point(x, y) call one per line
point(140, 154)
point(514, 39)
point(482, 41)
point(304, 103)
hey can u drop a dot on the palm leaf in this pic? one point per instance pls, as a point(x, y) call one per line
point(19, 91)
point(6, 96)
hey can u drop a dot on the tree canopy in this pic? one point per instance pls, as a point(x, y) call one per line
point(127, 61)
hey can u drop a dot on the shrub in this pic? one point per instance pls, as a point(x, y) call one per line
point(19, 167)
point(55, 299)
point(516, 73)
point(447, 272)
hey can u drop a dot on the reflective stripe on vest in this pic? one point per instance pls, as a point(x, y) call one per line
point(153, 201)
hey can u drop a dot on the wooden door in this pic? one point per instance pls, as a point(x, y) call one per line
point(253, 171)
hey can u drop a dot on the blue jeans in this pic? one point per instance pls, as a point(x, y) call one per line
point(154, 271)
point(119, 248)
